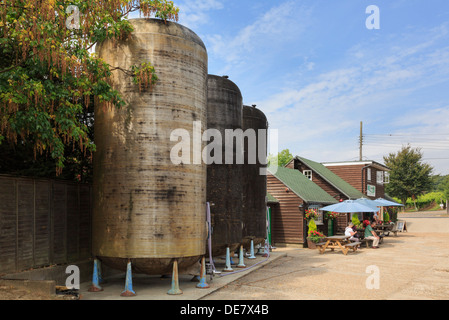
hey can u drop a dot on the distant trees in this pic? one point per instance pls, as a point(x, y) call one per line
point(409, 176)
point(284, 157)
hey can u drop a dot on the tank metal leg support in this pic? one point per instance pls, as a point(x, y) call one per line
point(203, 284)
point(100, 277)
point(228, 261)
point(96, 277)
point(175, 281)
point(252, 256)
point(128, 292)
point(241, 259)
point(266, 249)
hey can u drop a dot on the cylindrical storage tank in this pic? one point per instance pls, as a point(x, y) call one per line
point(148, 209)
point(224, 188)
point(254, 209)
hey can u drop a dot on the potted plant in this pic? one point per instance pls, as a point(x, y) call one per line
point(312, 235)
point(387, 218)
point(314, 238)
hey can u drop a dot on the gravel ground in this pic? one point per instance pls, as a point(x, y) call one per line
point(413, 265)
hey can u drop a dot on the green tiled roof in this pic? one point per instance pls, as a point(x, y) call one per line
point(271, 199)
point(332, 179)
point(302, 186)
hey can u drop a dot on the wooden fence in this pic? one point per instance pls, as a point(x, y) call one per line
point(43, 222)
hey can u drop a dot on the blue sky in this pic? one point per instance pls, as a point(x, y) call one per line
point(316, 71)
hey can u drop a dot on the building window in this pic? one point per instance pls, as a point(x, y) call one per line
point(380, 177)
point(386, 177)
point(319, 220)
point(368, 174)
point(308, 174)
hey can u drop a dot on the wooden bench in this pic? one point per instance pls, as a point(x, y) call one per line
point(319, 245)
point(367, 241)
point(353, 245)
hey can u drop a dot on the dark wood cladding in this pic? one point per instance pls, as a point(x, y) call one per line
point(42, 222)
point(287, 221)
point(357, 176)
point(323, 184)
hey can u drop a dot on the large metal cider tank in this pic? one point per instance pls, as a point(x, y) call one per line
point(254, 183)
point(148, 209)
point(224, 187)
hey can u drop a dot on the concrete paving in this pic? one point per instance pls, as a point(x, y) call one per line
point(156, 287)
point(412, 265)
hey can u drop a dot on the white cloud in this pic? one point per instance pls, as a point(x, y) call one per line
point(280, 24)
point(194, 13)
point(318, 118)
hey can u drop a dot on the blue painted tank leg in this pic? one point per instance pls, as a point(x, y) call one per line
point(100, 276)
point(252, 256)
point(228, 267)
point(241, 259)
point(203, 284)
point(175, 281)
point(95, 287)
point(128, 292)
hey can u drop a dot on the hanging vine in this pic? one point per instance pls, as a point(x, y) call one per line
point(48, 73)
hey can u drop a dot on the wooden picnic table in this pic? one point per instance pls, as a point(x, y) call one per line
point(338, 242)
point(383, 229)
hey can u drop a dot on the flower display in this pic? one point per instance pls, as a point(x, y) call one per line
point(316, 236)
point(310, 214)
point(331, 215)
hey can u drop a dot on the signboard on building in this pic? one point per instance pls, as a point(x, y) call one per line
point(370, 190)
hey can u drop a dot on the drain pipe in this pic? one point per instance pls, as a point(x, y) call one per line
point(363, 185)
point(209, 240)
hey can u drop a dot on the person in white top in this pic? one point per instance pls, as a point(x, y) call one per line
point(349, 232)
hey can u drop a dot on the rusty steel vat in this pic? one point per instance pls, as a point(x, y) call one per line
point(224, 188)
point(254, 184)
point(147, 209)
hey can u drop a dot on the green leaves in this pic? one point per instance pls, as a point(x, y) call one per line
point(409, 176)
point(49, 79)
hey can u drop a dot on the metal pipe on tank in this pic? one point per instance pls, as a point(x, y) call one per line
point(147, 209)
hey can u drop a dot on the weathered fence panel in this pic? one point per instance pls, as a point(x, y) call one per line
point(8, 224)
point(43, 222)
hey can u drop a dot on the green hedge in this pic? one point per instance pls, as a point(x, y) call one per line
point(426, 200)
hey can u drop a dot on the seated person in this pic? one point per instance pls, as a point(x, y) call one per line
point(349, 232)
point(370, 234)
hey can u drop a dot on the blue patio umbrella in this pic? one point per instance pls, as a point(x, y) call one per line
point(370, 203)
point(388, 203)
point(349, 206)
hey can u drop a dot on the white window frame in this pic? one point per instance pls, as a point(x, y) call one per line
point(386, 177)
point(317, 208)
point(368, 174)
point(308, 174)
point(380, 177)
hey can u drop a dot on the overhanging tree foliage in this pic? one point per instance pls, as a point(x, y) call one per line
point(409, 176)
point(49, 78)
point(283, 157)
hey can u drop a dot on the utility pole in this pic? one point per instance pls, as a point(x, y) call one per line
point(361, 140)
